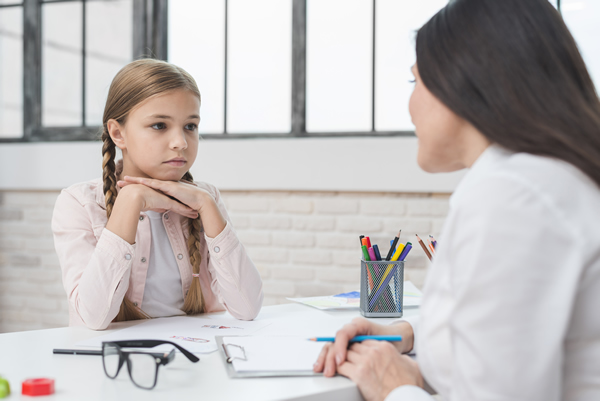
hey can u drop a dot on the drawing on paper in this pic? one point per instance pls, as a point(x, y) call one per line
point(216, 326)
point(192, 339)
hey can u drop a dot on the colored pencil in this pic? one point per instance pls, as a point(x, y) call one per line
point(424, 247)
point(359, 338)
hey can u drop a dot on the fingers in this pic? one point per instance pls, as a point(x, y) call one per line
point(181, 209)
point(348, 369)
point(330, 363)
point(359, 326)
point(320, 363)
point(160, 185)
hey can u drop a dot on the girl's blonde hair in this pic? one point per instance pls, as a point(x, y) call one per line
point(136, 82)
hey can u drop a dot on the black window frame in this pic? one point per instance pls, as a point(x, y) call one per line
point(150, 38)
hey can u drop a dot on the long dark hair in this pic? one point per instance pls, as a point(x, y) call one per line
point(512, 69)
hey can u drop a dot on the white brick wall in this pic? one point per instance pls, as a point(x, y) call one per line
point(303, 244)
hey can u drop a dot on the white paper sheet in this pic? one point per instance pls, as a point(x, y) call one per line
point(194, 334)
point(274, 354)
point(412, 297)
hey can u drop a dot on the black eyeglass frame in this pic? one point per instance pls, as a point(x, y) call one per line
point(160, 358)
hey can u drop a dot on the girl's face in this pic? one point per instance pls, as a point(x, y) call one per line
point(160, 136)
point(447, 142)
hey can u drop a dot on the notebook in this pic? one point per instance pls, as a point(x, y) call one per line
point(254, 356)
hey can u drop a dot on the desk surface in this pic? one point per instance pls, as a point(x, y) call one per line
point(28, 354)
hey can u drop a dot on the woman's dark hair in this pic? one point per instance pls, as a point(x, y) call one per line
point(512, 69)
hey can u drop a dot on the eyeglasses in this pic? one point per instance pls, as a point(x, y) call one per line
point(142, 366)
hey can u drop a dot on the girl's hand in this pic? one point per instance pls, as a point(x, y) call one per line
point(377, 368)
point(334, 355)
point(158, 202)
point(187, 193)
point(190, 196)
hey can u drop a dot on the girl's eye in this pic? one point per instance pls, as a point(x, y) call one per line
point(159, 126)
point(191, 127)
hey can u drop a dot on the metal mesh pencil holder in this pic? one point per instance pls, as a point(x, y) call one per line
point(381, 288)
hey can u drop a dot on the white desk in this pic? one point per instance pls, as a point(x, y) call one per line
point(28, 354)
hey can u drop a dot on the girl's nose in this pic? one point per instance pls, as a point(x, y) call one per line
point(178, 141)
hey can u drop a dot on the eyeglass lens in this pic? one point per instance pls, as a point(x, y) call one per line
point(143, 369)
point(111, 358)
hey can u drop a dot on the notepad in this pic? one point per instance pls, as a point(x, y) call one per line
point(274, 356)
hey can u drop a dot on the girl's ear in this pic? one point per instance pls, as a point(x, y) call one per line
point(115, 130)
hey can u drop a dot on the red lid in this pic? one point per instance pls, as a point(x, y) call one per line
point(38, 387)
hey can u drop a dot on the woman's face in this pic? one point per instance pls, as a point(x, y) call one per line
point(160, 136)
point(446, 141)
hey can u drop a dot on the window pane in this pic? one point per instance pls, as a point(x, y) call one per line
point(397, 23)
point(581, 16)
point(197, 44)
point(339, 65)
point(11, 72)
point(61, 64)
point(259, 87)
point(109, 36)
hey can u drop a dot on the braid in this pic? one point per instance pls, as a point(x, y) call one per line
point(127, 311)
point(108, 171)
point(194, 300)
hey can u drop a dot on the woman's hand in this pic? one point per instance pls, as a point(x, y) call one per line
point(377, 368)
point(334, 355)
point(189, 195)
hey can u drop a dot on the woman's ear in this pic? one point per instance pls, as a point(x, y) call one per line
point(115, 130)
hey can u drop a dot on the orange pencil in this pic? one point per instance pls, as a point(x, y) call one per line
point(424, 247)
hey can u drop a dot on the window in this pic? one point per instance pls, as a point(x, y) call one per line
point(58, 58)
point(11, 69)
point(299, 67)
point(271, 68)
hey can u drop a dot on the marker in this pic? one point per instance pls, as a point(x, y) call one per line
point(358, 339)
point(376, 250)
point(391, 252)
point(372, 253)
point(368, 242)
point(360, 237)
point(405, 252)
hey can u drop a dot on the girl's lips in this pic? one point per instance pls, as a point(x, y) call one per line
point(176, 163)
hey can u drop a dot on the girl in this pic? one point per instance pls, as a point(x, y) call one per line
point(146, 240)
point(510, 307)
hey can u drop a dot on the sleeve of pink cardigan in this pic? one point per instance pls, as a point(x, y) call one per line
point(236, 280)
point(95, 272)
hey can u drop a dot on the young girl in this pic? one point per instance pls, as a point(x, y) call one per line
point(146, 240)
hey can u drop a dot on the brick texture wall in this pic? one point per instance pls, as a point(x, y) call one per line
point(303, 244)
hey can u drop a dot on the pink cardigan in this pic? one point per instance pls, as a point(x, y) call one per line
point(99, 267)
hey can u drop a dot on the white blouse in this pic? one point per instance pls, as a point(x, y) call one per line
point(511, 307)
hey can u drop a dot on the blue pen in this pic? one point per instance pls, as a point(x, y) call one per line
point(358, 339)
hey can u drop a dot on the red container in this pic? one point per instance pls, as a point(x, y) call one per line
point(39, 386)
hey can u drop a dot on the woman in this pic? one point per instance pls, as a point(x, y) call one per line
point(510, 304)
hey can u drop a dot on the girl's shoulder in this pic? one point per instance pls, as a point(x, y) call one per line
point(210, 188)
point(86, 192)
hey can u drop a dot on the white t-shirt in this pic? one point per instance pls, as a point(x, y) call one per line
point(163, 294)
